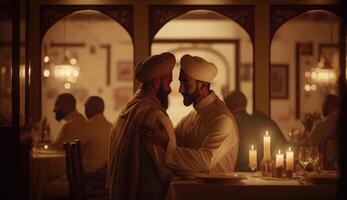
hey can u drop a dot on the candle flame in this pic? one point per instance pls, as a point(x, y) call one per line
point(279, 151)
point(45, 146)
point(252, 147)
point(290, 149)
point(267, 133)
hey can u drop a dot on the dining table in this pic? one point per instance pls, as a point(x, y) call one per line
point(46, 165)
point(251, 187)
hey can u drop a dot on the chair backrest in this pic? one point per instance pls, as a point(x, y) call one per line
point(74, 170)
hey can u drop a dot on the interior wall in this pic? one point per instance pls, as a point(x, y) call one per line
point(283, 50)
point(223, 54)
point(92, 61)
point(141, 30)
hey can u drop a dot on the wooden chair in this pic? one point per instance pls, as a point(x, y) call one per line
point(83, 185)
point(74, 170)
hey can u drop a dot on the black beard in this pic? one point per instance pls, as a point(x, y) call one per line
point(59, 115)
point(163, 97)
point(190, 98)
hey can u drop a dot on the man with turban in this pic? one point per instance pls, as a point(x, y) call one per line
point(207, 138)
point(137, 169)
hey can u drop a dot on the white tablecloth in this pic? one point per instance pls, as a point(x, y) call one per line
point(249, 188)
point(45, 166)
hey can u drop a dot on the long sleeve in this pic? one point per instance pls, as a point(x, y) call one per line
point(62, 137)
point(220, 139)
point(156, 152)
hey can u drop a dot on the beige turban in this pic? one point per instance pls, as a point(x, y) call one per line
point(155, 67)
point(198, 68)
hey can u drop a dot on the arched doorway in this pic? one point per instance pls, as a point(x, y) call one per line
point(86, 53)
point(297, 49)
point(215, 38)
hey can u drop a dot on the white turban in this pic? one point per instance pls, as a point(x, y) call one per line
point(155, 67)
point(198, 68)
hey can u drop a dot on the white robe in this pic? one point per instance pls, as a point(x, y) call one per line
point(96, 149)
point(207, 139)
point(74, 128)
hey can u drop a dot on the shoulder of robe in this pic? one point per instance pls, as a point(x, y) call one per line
point(153, 116)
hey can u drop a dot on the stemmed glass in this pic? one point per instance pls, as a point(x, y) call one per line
point(316, 159)
point(304, 157)
point(252, 166)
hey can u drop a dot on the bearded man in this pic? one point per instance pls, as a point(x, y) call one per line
point(137, 169)
point(207, 138)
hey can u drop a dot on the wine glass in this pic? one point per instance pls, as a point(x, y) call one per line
point(316, 159)
point(252, 165)
point(304, 157)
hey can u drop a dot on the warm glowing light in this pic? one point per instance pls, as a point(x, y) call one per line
point(307, 87)
point(46, 73)
point(73, 61)
point(279, 151)
point(45, 146)
point(267, 133)
point(307, 74)
point(313, 87)
point(22, 71)
point(252, 147)
point(3, 70)
point(46, 59)
point(290, 149)
point(67, 86)
point(314, 75)
point(66, 73)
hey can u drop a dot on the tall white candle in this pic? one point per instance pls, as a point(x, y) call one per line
point(267, 139)
point(253, 157)
point(290, 160)
point(279, 159)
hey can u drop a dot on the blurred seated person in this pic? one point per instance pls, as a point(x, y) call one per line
point(252, 128)
point(96, 150)
point(327, 126)
point(94, 135)
point(323, 134)
point(75, 123)
point(329, 152)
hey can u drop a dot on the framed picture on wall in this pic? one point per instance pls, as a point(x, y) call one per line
point(124, 70)
point(279, 81)
point(121, 95)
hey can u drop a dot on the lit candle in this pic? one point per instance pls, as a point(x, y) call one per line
point(279, 159)
point(253, 157)
point(267, 155)
point(289, 160)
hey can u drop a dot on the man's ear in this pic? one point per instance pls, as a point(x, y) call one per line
point(202, 85)
point(156, 83)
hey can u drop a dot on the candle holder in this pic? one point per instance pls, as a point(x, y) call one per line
point(267, 167)
point(279, 172)
point(289, 173)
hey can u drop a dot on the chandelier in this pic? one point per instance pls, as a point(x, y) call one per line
point(323, 75)
point(67, 70)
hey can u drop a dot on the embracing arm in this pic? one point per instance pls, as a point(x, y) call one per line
point(220, 140)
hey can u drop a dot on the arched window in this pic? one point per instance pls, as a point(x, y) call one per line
point(217, 39)
point(299, 49)
point(86, 53)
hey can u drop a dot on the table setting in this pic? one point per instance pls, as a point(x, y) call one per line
point(46, 163)
point(300, 173)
